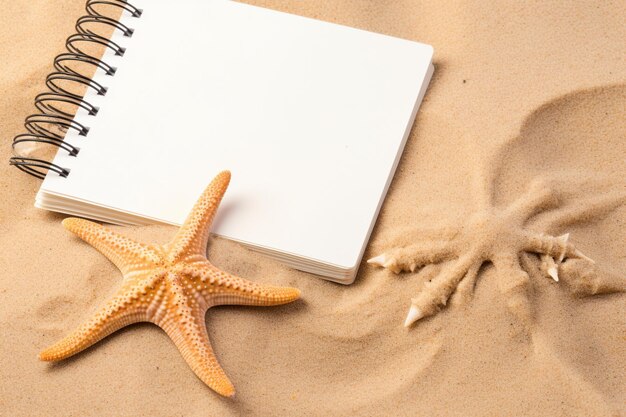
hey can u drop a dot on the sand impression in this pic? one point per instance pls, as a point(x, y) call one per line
point(501, 235)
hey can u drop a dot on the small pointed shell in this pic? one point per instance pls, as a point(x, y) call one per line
point(377, 260)
point(414, 315)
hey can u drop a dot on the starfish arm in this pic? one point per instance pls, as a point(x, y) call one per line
point(239, 291)
point(192, 237)
point(127, 254)
point(258, 295)
point(188, 332)
point(122, 310)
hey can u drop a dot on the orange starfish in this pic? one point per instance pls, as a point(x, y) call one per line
point(171, 286)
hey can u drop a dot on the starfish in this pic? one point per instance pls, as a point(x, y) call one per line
point(171, 286)
point(499, 236)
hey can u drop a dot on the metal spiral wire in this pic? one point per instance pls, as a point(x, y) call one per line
point(50, 125)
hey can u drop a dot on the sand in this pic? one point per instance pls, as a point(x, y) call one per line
point(521, 90)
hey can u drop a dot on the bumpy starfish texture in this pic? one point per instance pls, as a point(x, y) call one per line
point(499, 236)
point(171, 286)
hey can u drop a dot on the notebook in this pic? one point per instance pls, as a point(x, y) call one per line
point(310, 117)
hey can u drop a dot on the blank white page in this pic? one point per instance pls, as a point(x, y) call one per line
point(310, 117)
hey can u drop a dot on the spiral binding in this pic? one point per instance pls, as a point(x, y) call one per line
point(50, 125)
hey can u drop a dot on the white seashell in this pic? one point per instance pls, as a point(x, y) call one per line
point(554, 273)
point(377, 260)
point(414, 315)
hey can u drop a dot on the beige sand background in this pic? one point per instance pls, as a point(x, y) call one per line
point(521, 89)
